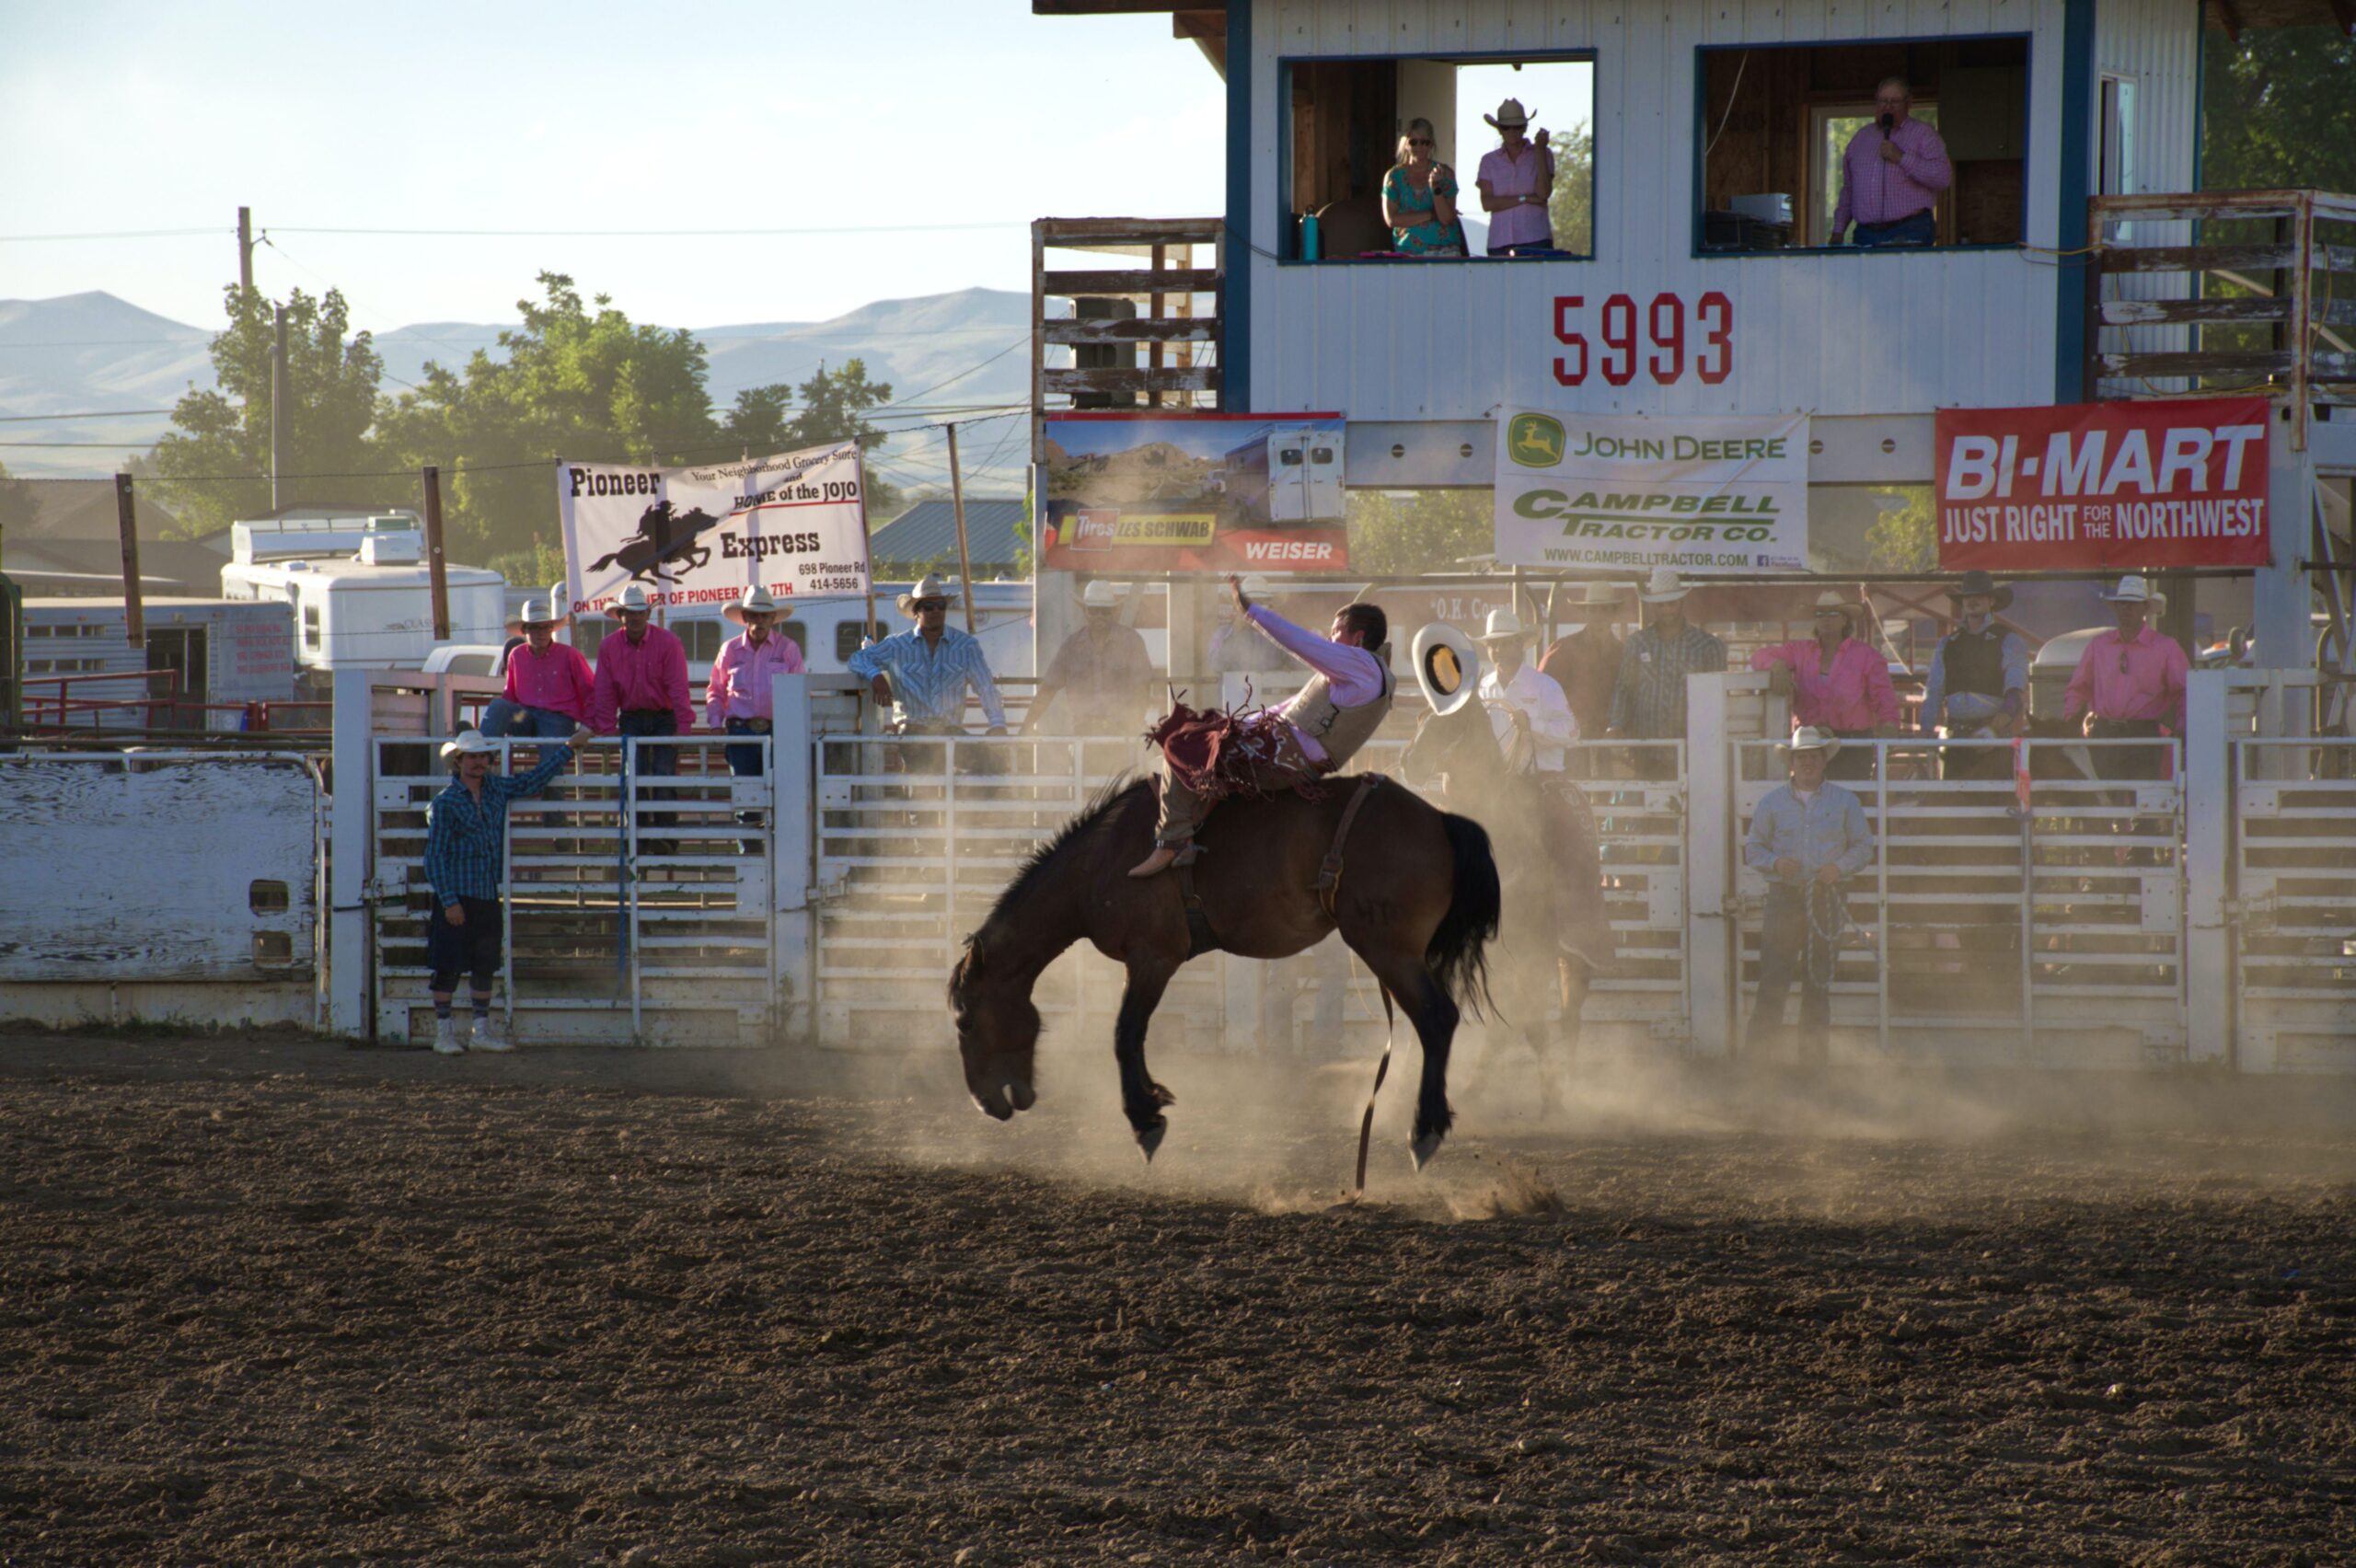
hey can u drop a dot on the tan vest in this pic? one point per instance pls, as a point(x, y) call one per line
point(1341, 730)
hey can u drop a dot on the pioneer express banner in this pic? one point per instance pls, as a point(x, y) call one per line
point(1707, 495)
point(2103, 486)
point(794, 523)
point(1194, 493)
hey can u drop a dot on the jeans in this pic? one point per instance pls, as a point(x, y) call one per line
point(751, 759)
point(651, 762)
point(505, 718)
point(1915, 228)
point(1789, 949)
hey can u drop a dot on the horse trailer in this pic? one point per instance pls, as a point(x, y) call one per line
point(1288, 476)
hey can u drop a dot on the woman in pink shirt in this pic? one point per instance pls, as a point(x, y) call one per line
point(1836, 682)
point(548, 683)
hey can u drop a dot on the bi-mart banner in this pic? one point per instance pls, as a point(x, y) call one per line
point(1705, 494)
point(794, 523)
point(2104, 486)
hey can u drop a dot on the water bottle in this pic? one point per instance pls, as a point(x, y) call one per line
point(1309, 237)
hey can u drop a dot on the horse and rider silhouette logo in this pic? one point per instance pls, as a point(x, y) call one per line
point(1535, 441)
point(665, 548)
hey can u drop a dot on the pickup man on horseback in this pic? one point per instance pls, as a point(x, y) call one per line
point(1206, 757)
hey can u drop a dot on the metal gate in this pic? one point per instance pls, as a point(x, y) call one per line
point(1642, 823)
point(648, 895)
point(2011, 920)
point(2295, 874)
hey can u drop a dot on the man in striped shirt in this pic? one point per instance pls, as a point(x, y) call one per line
point(1891, 175)
point(923, 673)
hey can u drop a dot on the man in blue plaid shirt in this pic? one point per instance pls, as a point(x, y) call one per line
point(466, 831)
point(1648, 702)
point(923, 673)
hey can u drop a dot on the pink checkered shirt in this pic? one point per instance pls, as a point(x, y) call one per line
point(1875, 190)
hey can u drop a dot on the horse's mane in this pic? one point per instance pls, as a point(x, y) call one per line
point(1108, 799)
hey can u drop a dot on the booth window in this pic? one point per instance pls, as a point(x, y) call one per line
point(1776, 126)
point(1347, 116)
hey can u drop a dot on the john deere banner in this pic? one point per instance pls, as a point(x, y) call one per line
point(2105, 485)
point(794, 523)
point(1703, 494)
point(1194, 493)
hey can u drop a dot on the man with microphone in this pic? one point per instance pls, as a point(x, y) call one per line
point(1891, 175)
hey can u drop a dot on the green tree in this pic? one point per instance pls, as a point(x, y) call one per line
point(576, 382)
point(331, 397)
point(832, 407)
point(1902, 539)
point(1394, 532)
point(2279, 109)
point(16, 505)
point(1571, 208)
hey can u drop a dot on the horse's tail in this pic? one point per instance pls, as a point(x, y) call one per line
point(1456, 953)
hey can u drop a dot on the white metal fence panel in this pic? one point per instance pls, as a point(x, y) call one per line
point(645, 895)
point(2294, 870)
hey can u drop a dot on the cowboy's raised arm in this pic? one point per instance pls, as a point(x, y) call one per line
point(1356, 669)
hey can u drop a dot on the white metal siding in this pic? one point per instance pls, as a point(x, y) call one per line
point(1834, 334)
point(2156, 45)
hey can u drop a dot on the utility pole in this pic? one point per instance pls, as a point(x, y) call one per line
point(957, 499)
point(134, 618)
point(437, 573)
point(278, 409)
point(245, 248)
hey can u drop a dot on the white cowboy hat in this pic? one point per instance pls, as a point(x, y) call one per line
point(1447, 667)
point(2131, 590)
point(1598, 596)
point(752, 601)
point(535, 612)
point(1830, 599)
point(633, 599)
point(1100, 595)
point(1807, 737)
point(1664, 587)
point(1509, 113)
point(1504, 627)
point(1255, 588)
point(469, 741)
point(931, 587)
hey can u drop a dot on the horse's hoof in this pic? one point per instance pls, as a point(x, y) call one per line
point(1425, 1149)
point(1150, 1138)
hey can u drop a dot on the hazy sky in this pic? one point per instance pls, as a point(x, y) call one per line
point(808, 115)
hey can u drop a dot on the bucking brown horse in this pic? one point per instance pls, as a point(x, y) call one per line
point(1416, 900)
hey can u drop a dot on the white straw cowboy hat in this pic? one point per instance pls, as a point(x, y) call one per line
point(1255, 588)
point(1504, 626)
point(633, 599)
point(1807, 737)
point(1598, 596)
point(1100, 595)
point(535, 612)
point(752, 601)
point(931, 587)
point(1830, 599)
point(1447, 667)
point(469, 741)
point(2131, 590)
point(1664, 587)
point(1511, 114)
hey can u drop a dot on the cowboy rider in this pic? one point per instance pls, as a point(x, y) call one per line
point(1318, 730)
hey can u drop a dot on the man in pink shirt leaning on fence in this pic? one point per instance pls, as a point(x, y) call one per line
point(548, 683)
point(2131, 682)
point(1837, 682)
point(1891, 175)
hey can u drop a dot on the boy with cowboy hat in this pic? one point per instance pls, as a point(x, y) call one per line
point(1517, 182)
point(2131, 683)
point(1648, 700)
point(1103, 670)
point(548, 684)
point(1979, 681)
point(738, 699)
point(923, 674)
point(1806, 837)
point(1836, 682)
point(465, 859)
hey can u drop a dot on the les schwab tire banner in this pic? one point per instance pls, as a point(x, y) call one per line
point(2110, 487)
point(795, 524)
point(1627, 492)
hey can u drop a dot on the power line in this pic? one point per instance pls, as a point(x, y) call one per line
point(116, 234)
point(107, 414)
point(640, 234)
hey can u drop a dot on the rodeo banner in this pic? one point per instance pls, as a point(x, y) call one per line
point(794, 523)
point(1194, 493)
point(2111, 487)
point(1703, 494)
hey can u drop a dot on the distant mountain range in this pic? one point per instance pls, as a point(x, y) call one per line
point(93, 353)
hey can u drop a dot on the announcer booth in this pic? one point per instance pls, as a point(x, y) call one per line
point(2072, 314)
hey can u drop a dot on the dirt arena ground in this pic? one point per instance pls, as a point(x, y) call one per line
point(269, 1300)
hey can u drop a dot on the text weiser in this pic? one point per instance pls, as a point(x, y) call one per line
point(1665, 358)
point(2106, 485)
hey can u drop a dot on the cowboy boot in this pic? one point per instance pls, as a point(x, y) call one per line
point(1164, 856)
point(445, 1038)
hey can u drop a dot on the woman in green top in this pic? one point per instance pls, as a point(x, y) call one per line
point(1419, 197)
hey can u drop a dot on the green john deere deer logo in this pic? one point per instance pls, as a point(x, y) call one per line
point(1534, 440)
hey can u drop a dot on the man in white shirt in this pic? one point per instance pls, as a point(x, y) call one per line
point(1806, 839)
point(1531, 716)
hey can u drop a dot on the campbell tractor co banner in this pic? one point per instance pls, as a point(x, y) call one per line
point(794, 523)
point(1194, 493)
point(1703, 494)
point(2103, 486)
